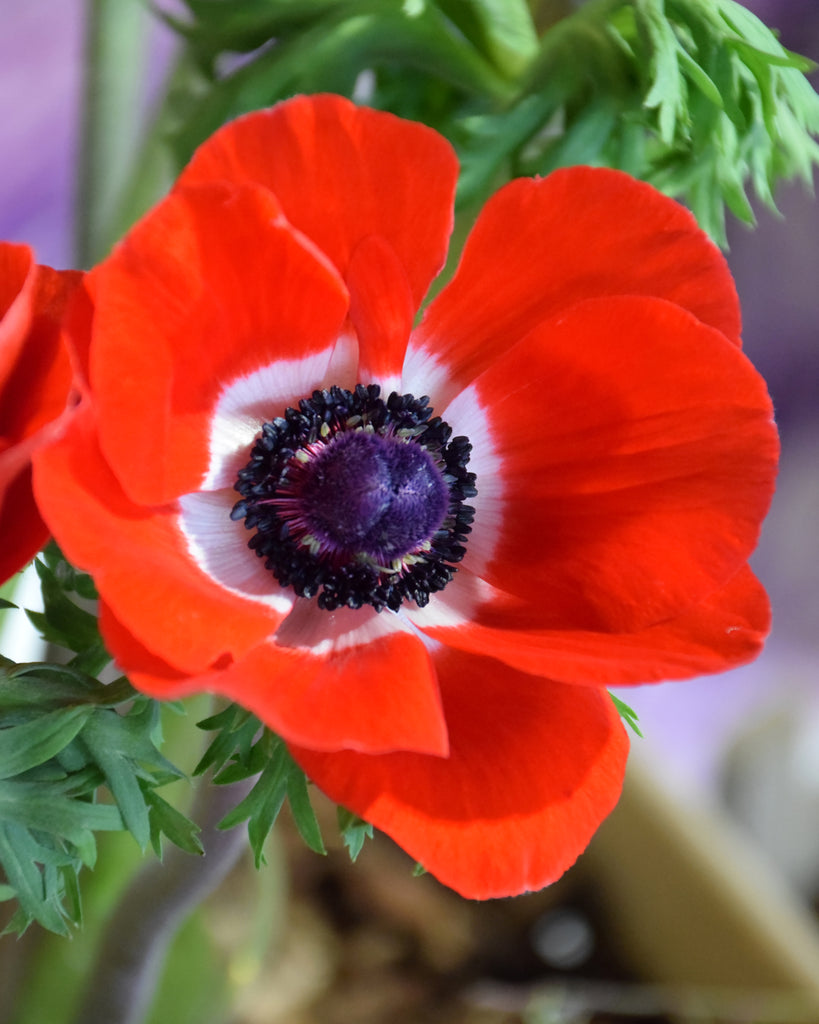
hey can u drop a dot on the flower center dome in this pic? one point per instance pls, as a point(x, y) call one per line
point(355, 500)
point(371, 495)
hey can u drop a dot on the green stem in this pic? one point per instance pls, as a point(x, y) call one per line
point(153, 169)
point(115, 49)
point(546, 13)
point(153, 907)
point(570, 42)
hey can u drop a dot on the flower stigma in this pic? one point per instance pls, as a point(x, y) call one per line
point(356, 500)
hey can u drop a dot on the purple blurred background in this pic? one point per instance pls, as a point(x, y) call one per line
point(40, 81)
point(694, 724)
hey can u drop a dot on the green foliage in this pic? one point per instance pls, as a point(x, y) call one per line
point(501, 30)
point(696, 96)
point(354, 831)
point(77, 757)
point(66, 739)
point(63, 622)
point(322, 48)
point(629, 715)
point(729, 105)
point(242, 749)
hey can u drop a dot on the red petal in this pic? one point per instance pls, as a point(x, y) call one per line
point(17, 277)
point(381, 310)
point(342, 173)
point(212, 285)
point(635, 458)
point(534, 767)
point(539, 246)
point(34, 394)
point(36, 390)
point(22, 530)
point(725, 630)
point(145, 670)
point(377, 696)
point(140, 560)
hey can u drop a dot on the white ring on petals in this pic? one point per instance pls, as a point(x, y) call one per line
point(387, 384)
point(342, 369)
point(468, 417)
point(219, 547)
point(249, 401)
point(423, 374)
point(453, 606)
point(322, 633)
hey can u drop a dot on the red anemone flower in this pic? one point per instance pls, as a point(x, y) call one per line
point(35, 382)
point(419, 555)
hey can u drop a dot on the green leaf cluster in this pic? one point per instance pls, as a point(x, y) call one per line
point(354, 831)
point(696, 96)
point(69, 619)
point(628, 714)
point(77, 757)
point(729, 106)
point(244, 749)
point(308, 46)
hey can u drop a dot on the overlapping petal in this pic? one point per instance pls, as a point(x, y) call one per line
point(343, 173)
point(636, 459)
point(380, 694)
point(726, 629)
point(176, 324)
point(35, 391)
point(372, 689)
point(541, 245)
point(21, 526)
point(17, 275)
point(533, 768)
point(382, 309)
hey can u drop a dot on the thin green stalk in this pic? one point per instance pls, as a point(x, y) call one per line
point(153, 169)
point(115, 51)
point(155, 904)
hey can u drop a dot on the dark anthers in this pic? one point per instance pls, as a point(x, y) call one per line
point(270, 485)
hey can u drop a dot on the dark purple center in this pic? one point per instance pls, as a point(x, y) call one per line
point(378, 496)
point(353, 499)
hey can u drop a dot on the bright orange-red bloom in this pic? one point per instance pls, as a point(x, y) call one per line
point(35, 380)
point(622, 447)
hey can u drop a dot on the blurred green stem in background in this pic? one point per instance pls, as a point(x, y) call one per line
point(159, 897)
point(116, 39)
